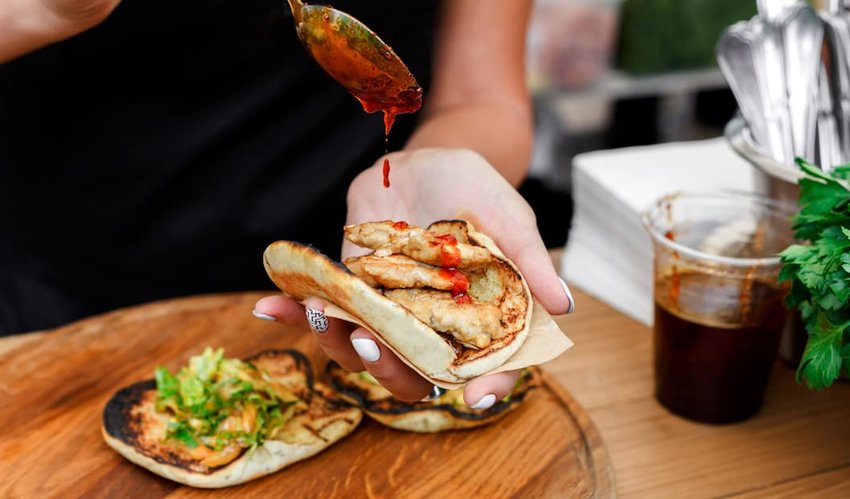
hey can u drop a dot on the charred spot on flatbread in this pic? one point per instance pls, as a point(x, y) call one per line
point(445, 413)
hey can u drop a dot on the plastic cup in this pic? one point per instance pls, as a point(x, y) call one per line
point(719, 310)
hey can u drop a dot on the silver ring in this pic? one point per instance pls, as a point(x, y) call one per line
point(436, 392)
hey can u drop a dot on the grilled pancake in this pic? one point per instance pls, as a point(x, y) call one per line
point(447, 412)
point(133, 427)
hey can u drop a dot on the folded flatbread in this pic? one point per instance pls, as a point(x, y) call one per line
point(399, 292)
point(448, 412)
point(133, 427)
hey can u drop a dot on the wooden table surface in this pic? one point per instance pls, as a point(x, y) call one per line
point(53, 388)
point(798, 444)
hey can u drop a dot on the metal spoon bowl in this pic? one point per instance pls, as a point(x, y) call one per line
point(357, 59)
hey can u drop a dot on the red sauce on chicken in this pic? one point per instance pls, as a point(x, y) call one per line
point(460, 285)
point(449, 252)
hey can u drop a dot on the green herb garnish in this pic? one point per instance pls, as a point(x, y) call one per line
point(819, 273)
point(222, 403)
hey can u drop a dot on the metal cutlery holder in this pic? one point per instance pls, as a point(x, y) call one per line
point(789, 69)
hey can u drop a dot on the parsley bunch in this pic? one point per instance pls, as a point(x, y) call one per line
point(819, 273)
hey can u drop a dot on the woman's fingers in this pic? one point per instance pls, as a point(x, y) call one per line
point(280, 308)
point(484, 392)
point(331, 334)
point(388, 369)
point(358, 350)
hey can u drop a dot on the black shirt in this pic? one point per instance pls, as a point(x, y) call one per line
point(157, 154)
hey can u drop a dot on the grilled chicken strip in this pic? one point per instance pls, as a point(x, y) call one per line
point(440, 250)
point(471, 324)
point(399, 271)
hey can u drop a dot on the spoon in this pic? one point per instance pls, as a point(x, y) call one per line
point(802, 39)
point(358, 60)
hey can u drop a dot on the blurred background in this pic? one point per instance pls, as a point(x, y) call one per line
point(617, 73)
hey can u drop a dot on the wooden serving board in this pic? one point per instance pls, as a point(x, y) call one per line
point(53, 387)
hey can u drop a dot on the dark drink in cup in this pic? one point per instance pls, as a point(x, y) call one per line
point(715, 369)
point(719, 310)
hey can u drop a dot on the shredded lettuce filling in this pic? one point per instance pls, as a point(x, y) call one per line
point(218, 406)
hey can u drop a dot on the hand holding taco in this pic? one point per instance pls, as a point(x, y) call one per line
point(445, 299)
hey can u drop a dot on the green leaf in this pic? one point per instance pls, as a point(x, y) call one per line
point(788, 272)
point(842, 172)
point(205, 366)
point(818, 197)
point(181, 432)
point(830, 302)
point(192, 391)
point(812, 277)
point(822, 359)
point(808, 311)
point(797, 254)
point(839, 287)
point(166, 383)
point(797, 295)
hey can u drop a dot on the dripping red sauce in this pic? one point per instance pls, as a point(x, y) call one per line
point(401, 225)
point(460, 285)
point(406, 101)
point(386, 173)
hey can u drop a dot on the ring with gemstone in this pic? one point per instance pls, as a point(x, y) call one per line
point(436, 392)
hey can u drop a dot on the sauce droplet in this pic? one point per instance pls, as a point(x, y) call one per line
point(400, 225)
point(386, 173)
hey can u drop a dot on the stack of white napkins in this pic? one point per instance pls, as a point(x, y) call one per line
point(609, 254)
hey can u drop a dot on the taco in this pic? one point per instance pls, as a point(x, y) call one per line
point(447, 412)
point(445, 299)
point(220, 422)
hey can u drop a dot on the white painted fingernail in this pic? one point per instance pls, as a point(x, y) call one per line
point(367, 349)
point(265, 317)
point(570, 296)
point(317, 320)
point(486, 402)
